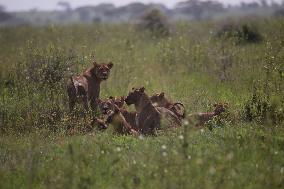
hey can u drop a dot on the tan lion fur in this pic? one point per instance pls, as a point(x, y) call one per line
point(86, 88)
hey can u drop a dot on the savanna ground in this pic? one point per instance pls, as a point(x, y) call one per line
point(43, 146)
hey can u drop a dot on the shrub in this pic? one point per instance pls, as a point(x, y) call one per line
point(241, 32)
point(155, 22)
point(46, 66)
point(279, 13)
point(262, 109)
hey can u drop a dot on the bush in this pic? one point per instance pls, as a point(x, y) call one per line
point(155, 22)
point(262, 109)
point(279, 13)
point(46, 66)
point(242, 33)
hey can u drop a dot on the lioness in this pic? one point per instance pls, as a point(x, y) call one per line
point(105, 105)
point(160, 100)
point(109, 105)
point(120, 125)
point(86, 87)
point(150, 118)
point(199, 119)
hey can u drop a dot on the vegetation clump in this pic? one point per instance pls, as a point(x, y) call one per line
point(155, 22)
point(240, 32)
point(264, 110)
point(46, 66)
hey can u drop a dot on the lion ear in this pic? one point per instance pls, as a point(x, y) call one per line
point(162, 94)
point(111, 97)
point(142, 89)
point(110, 65)
point(215, 105)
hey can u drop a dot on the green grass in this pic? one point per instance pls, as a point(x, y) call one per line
point(233, 157)
point(42, 146)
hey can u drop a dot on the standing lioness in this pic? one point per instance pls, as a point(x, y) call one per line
point(86, 87)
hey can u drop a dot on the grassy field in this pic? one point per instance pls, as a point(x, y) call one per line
point(42, 146)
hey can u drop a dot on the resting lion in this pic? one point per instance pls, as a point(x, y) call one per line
point(199, 119)
point(117, 119)
point(160, 100)
point(111, 105)
point(151, 118)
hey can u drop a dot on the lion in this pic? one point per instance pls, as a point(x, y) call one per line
point(86, 88)
point(119, 122)
point(160, 100)
point(199, 119)
point(151, 118)
point(111, 104)
point(106, 105)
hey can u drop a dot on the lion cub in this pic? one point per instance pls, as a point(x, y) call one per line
point(199, 119)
